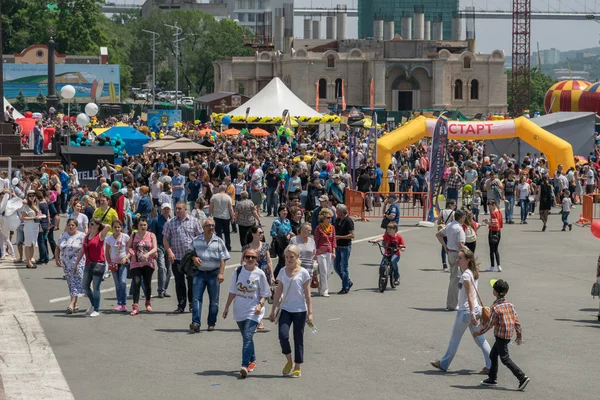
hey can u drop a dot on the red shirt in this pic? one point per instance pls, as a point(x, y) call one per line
point(392, 241)
point(93, 249)
point(496, 221)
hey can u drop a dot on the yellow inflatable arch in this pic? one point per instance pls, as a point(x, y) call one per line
point(557, 150)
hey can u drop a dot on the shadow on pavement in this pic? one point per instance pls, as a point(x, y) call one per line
point(371, 265)
point(431, 270)
point(481, 387)
point(430, 309)
point(583, 321)
point(366, 289)
point(588, 309)
point(55, 279)
point(438, 372)
point(217, 373)
point(175, 330)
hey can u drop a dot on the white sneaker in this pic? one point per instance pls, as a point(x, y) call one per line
point(89, 310)
point(499, 268)
point(490, 269)
point(94, 314)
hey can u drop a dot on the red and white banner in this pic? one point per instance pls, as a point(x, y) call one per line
point(476, 130)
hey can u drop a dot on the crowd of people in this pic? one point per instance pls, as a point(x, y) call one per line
point(175, 214)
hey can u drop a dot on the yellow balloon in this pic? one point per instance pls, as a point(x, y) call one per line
point(162, 135)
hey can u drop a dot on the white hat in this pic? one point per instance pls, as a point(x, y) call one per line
point(165, 205)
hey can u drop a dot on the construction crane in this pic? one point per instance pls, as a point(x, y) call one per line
point(521, 56)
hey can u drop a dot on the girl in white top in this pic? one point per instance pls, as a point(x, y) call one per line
point(250, 289)
point(82, 219)
point(293, 295)
point(117, 256)
point(468, 314)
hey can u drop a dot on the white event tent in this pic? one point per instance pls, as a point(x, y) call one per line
point(273, 100)
point(16, 114)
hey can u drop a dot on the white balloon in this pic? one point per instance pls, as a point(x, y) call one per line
point(67, 92)
point(91, 109)
point(15, 181)
point(82, 120)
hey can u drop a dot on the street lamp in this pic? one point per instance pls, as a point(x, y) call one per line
point(178, 32)
point(154, 37)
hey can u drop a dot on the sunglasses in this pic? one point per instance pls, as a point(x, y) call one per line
point(210, 225)
point(260, 233)
point(251, 257)
point(29, 195)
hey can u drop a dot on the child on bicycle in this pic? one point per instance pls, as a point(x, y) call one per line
point(395, 244)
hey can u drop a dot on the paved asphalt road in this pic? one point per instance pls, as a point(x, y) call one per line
point(368, 344)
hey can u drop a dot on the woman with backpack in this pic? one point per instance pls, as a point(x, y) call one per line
point(250, 289)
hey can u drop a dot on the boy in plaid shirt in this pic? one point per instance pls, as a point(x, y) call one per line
point(504, 319)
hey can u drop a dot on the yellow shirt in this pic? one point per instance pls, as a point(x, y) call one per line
point(231, 192)
point(111, 215)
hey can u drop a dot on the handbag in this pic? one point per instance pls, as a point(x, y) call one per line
point(596, 289)
point(486, 312)
point(314, 282)
point(385, 222)
point(531, 198)
point(494, 237)
point(97, 268)
point(278, 311)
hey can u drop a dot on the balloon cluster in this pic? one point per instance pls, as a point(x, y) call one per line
point(282, 130)
point(117, 143)
point(77, 139)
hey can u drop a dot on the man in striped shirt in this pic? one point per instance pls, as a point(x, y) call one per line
point(504, 319)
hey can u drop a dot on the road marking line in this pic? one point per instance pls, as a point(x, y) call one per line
point(112, 289)
point(28, 366)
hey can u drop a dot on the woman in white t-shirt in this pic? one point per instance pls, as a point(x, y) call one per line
point(250, 289)
point(524, 191)
point(117, 256)
point(296, 308)
point(468, 314)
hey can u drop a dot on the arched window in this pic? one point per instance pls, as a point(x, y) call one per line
point(322, 88)
point(467, 62)
point(458, 90)
point(474, 89)
point(338, 88)
point(330, 61)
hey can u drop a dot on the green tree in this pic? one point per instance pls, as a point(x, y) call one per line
point(540, 83)
point(41, 100)
point(20, 102)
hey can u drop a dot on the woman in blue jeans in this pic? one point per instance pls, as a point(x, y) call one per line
point(250, 289)
point(117, 258)
point(468, 314)
point(93, 250)
point(524, 190)
point(293, 296)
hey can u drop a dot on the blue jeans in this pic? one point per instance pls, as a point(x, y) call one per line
point(444, 252)
point(524, 204)
point(565, 219)
point(164, 270)
point(43, 245)
point(38, 147)
point(342, 256)
point(452, 194)
point(247, 328)
point(462, 321)
point(510, 208)
point(475, 211)
point(205, 280)
point(395, 260)
point(120, 278)
point(92, 293)
point(175, 200)
point(272, 201)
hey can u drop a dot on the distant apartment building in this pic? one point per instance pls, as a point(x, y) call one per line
point(216, 8)
point(547, 57)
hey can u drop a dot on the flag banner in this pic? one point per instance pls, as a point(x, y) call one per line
point(317, 98)
point(436, 167)
point(343, 97)
point(372, 144)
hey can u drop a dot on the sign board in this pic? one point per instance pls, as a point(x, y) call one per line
point(477, 130)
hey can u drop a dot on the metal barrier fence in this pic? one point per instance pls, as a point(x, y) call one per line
point(411, 204)
point(591, 209)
